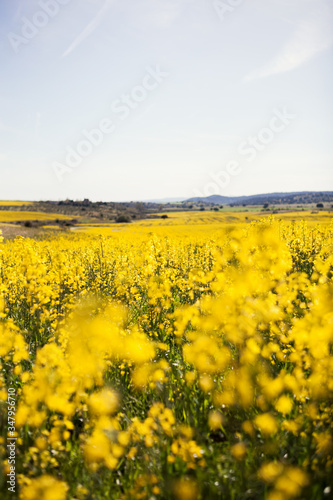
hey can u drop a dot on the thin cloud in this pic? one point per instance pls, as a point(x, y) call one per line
point(310, 38)
point(89, 29)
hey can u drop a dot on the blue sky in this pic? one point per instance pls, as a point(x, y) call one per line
point(141, 99)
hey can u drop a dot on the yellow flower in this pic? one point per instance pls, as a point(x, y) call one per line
point(104, 402)
point(284, 405)
point(186, 489)
point(206, 383)
point(44, 488)
point(190, 377)
point(291, 482)
point(266, 423)
point(238, 450)
point(269, 472)
point(215, 420)
point(324, 442)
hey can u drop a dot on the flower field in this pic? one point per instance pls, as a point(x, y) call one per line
point(11, 216)
point(168, 362)
point(7, 203)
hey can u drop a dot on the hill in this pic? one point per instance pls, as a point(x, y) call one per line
point(272, 198)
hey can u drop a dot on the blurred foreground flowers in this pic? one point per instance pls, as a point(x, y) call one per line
point(157, 368)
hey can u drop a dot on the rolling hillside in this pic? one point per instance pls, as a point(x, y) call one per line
point(272, 198)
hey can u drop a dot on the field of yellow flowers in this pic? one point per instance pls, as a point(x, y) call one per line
point(159, 365)
point(19, 215)
point(5, 203)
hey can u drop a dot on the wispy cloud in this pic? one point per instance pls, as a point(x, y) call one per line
point(89, 29)
point(309, 38)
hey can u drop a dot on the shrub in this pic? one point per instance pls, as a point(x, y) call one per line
point(123, 218)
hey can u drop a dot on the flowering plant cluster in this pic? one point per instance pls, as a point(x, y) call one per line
point(158, 367)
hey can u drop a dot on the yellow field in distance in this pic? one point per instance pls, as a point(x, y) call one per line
point(12, 216)
point(186, 223)
point(9, 203)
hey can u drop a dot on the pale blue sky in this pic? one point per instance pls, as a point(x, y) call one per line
point(228, 68)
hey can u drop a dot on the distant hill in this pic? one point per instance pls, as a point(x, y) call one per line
point(298, 198)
